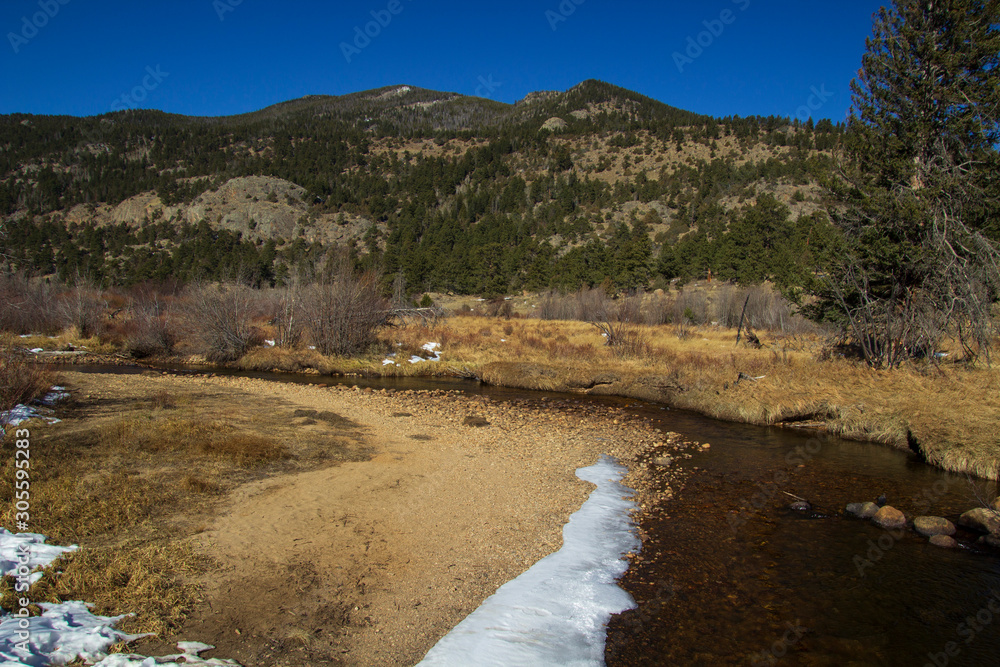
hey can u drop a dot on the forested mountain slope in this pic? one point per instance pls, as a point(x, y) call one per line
point(455, 193)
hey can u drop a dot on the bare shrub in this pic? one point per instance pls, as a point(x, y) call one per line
point(629, 309)
point(584, 305)
point(766, 310)
point(627, 340)
point(500, 308)
point(221, 319)
point(82, 308)
point(592, 305)
point(691, 306)
point(344, 314)
point(624, 333)
point(20, 380)
point(285, 309)
point(658, 309)
point(553, 306)
point(152, 329)
point(26, 306)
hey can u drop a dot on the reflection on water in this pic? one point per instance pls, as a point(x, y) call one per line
point(731, 576)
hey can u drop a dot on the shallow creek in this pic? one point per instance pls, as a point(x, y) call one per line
point(729, 575)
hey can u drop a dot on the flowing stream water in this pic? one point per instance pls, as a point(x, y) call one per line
point(730, 575)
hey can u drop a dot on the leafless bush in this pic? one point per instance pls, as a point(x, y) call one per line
point(20, 380)
point(26, 306)
point(553, 306)
point(500, 308)
point(152, 328)
point(626, 339)
point(766, 310)
point(658, 309)
point(629, 309)
point(344, 314)
point(285, 309)
point(221, 319)
point(585, 305)
point(691, 306)
point(81, 307)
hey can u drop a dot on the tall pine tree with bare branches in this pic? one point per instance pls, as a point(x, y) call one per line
point(919, 197)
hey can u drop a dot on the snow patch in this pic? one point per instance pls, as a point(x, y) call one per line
point(61, 634)
point(187, 656)
point(433, 348)
point(556, 613)
point(22, 413)
point(39, 554)
point(67, 631)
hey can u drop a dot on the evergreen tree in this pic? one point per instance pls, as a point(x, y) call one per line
point(918, 257)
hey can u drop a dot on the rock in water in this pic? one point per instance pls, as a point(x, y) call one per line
point(862, 510)
point(881, 500)
point(929, 526)
point(944, 541)
point(981, 519)
point(990, 540)
point(889, 517)
point(801, 506)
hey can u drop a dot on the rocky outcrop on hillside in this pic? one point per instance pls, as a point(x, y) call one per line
point(257, 206)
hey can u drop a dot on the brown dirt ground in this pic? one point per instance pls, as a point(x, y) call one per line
point(370, 562)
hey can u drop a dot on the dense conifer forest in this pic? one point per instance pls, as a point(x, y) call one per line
point(597, 185)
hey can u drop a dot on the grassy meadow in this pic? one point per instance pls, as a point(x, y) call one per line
point(946, 410)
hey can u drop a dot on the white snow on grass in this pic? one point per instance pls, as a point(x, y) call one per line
point(27, 549)
point(22, 413)
point(433, 348)
point(67, 631)
point(556, 613)
point(63, 633)
point(55, 395)
point(187, 656)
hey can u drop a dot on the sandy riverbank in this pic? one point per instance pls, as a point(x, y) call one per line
point(372, 558)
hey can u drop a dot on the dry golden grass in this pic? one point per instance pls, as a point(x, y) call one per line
point(67, 340)
point(151, 432)
point(948, 411)
point(129, 484)
point(147, 581)
point(20, 380)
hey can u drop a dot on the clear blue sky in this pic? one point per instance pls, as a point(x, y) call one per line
point(85, 57)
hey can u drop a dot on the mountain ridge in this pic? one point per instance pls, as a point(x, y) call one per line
point(558, 185)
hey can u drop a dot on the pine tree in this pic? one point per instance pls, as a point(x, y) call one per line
point(918, 198)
